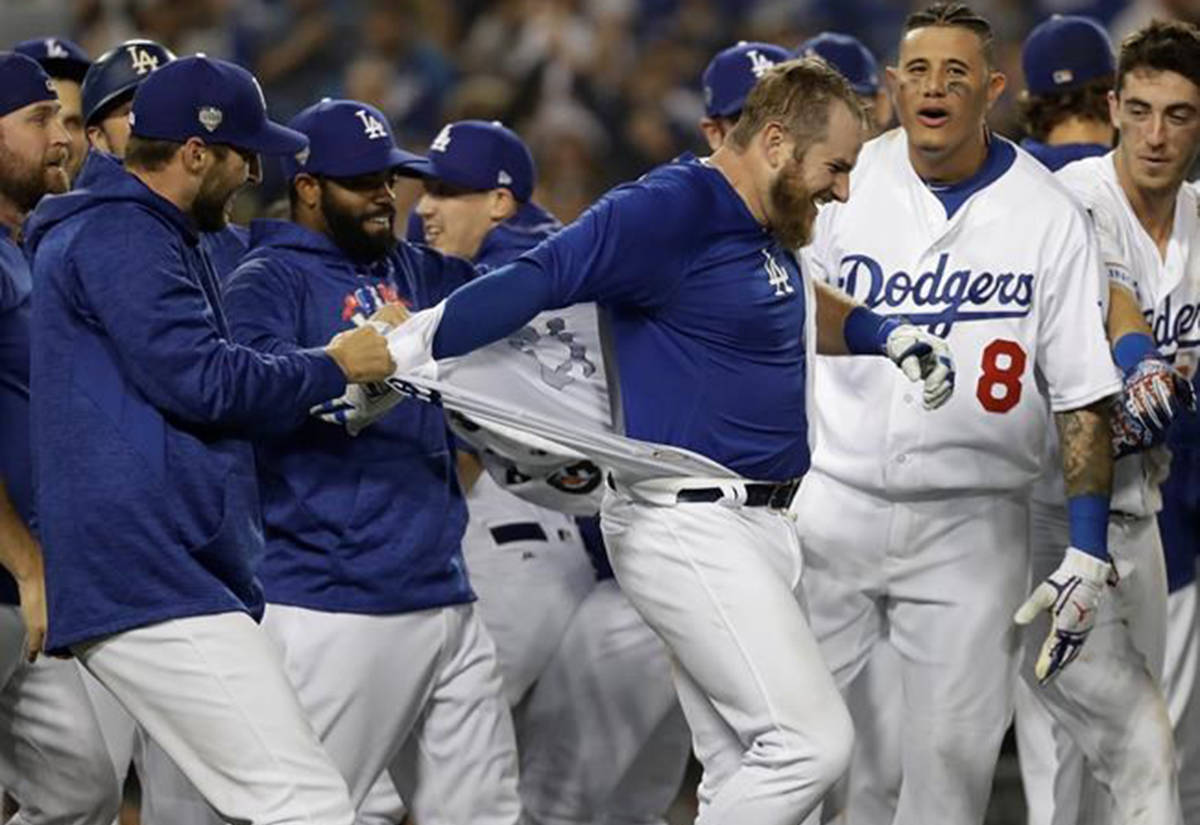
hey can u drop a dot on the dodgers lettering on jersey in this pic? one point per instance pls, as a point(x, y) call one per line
point(707, 317)
point(1007, 273)
point(1167, 290)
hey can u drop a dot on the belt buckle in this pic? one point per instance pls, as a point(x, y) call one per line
point(781, 497)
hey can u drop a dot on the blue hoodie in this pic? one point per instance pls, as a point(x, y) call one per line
point(1056, 157)
point(224, 247)
point(366, 524)
point(146, 498)
point(15, 457)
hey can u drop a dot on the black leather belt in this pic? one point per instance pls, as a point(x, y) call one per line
point(758, 494)
point(518, 531)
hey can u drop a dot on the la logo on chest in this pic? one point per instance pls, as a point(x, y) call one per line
point(777, 275)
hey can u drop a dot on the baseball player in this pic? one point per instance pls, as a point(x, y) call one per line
point(367, 594)
point(602, 737)
point(728, 79)
point(914, 526)
point(1112, 706)
point(52, 757)
point(854, 62)
point(66, 62)
point(149, 519)
point(711, 322)
point(1069, 67)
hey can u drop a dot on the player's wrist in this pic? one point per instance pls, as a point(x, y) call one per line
point(866, 332)
point(1133, 348)
point(1087, 516)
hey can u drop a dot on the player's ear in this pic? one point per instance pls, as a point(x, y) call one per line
point(1114, 106)
point(714, 135)
point(308, 190)
point(892, 75)
point(995, 87)
point(195, 156)
point(775, 145)
point(501, 205)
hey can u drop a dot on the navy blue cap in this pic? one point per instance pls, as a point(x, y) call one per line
point(116, 74)
point(480, 154)
point(58, 56)
point(22, 82)
point(1064, 53)
point(731, 75)
point(848, 56)
point(213, 100)
point(346, 138)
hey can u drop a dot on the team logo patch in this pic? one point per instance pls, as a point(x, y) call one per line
point(559, 372)
point(777, 276)
point(504, 179)
point(210, 117)
point(577, 479)
point(759, 62)
point(55, 50)
point(1063, 76)
point(140, 60)
point(302, 156)
point(372, 128)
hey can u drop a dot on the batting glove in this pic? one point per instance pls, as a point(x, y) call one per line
point(923, 357)
point(1072, 594)
point(360, 406)
point(1152, 395)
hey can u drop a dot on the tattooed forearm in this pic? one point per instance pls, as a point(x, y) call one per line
point(1083, 437)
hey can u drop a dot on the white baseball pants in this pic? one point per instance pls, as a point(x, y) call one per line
point(414, 696)
point(1181, 682)
point(719, 583)
point(52, 755)
point(1108, 702)
point(602, 738)
point(938, 580)
point(211, 692)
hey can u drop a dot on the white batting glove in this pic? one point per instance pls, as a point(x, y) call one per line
point(359, 407)
point(923, 356)
point(1072, 594)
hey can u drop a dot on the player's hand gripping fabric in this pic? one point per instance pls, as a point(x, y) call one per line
point(1072, 595)
point(924, 357)
point(1154, 392)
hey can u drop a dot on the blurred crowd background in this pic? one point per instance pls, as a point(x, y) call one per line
point(601, 89)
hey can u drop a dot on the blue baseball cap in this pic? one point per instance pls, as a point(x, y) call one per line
point(480, 155)
point(213, 100)
point(731, 75)
point(1064, 53)
point(22, 82)
point(58, 56)
point(848, 56)
point(346, 138)
point(117, 73)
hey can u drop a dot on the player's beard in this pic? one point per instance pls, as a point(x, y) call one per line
point(24, 184)
point(210, 209)
point(792, 208)
point(349, 231)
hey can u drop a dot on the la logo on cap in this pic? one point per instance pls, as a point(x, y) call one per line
point(372, 128)
point(210, 117)
point(140, 60)
point(442, 142)
point(55, 49)
point(759, 63)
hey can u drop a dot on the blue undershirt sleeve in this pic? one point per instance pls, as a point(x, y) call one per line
point(491, 307)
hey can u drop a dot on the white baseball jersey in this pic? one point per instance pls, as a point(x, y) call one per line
point(1011, 279)
point(555, 366)
point(1167, 290)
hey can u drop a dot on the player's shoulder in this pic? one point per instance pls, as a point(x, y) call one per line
point(1089, 179)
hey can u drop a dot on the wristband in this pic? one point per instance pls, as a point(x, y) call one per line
point(866, 332)
point(1131, 349)
point(1088, 517)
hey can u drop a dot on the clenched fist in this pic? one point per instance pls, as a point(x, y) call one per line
point(362, 354)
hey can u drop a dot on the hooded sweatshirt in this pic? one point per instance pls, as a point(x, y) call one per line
point(146, 498)
point(359, 524)
point(16, 469)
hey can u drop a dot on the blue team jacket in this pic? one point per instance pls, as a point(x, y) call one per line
point(16, 468)
point(145, 490)
point(366, 524)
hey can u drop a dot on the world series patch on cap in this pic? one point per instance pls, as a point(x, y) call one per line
point(730, 76)
point(22, 82)
point(214, 100)
point(1065, 52)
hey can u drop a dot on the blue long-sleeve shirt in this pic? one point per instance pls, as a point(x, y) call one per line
point(146, 498)
point(16, 468)
point(365, 524)
point(706, 309)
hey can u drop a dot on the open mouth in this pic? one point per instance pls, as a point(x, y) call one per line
point(933, 117)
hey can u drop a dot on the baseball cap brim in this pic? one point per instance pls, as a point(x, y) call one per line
point(273, 139)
